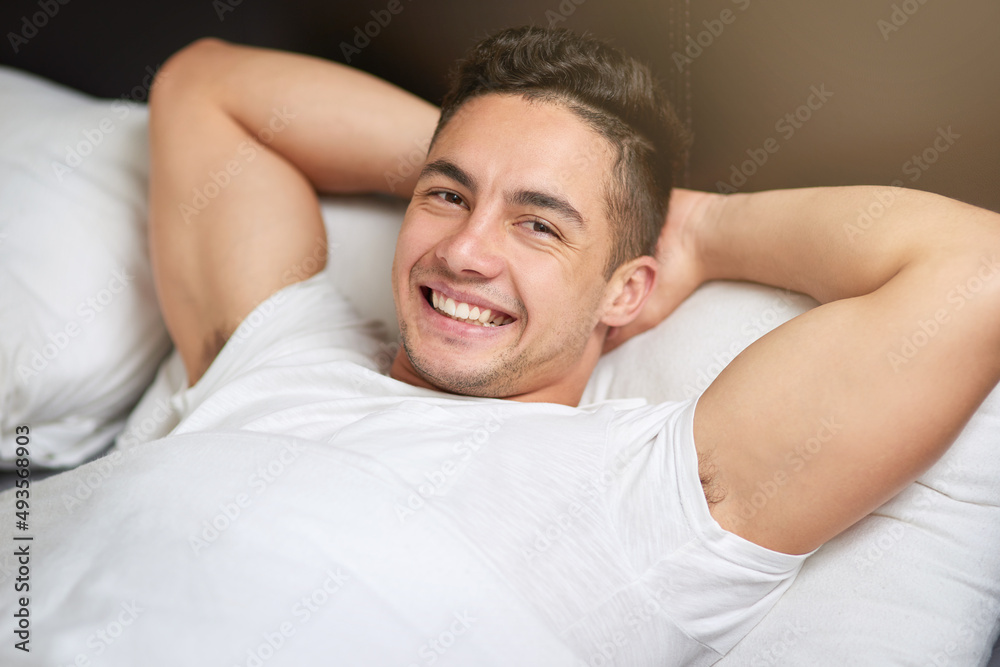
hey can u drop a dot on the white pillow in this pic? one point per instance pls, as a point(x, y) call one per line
point(918, 582)
point(80, 330)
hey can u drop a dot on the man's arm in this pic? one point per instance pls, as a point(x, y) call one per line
point(240, 140)
point(824, 419)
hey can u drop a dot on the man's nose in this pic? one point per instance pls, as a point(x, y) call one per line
point(475, 245)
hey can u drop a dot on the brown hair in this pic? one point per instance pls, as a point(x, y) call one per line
point(609, 90)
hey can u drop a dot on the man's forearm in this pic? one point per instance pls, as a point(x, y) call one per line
point(346, 130)
point(808, 240)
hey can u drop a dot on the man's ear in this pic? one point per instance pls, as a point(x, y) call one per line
point(628, 289)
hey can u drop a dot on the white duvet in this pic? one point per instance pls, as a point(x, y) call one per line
point(236, 548)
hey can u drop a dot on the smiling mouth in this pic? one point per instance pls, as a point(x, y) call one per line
point(463, 312)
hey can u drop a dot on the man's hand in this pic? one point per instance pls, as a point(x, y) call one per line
point(679, 272)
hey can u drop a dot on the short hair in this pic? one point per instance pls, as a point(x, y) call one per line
point(609, 90)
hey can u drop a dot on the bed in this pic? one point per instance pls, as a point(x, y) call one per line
point(85, 359)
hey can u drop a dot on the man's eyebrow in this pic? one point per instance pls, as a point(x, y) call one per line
point(551, 202)
point(449, 169)
point(533, 198)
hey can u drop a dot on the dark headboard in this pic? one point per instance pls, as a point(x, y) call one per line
point(779, 93)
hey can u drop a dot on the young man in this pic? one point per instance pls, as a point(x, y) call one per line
point(531, 244)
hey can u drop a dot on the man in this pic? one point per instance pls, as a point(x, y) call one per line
point(527, 250)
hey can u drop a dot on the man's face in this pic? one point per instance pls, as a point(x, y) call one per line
point(507, 233)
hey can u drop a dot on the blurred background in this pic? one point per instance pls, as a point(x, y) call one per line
point(778, 93)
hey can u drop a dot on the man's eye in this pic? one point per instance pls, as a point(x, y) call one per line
point(540, 227)
point(450, 197)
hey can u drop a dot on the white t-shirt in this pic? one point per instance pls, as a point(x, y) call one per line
point(592, 518)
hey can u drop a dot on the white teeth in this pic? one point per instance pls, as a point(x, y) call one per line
point(471, 314)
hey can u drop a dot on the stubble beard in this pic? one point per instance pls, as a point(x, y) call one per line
point(504, 375)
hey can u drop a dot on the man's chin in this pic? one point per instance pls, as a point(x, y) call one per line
point(468, 383)
point(448, 377)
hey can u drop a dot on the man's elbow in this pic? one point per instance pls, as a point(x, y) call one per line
point(190, 69)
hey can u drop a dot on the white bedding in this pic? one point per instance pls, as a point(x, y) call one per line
point(215, 562)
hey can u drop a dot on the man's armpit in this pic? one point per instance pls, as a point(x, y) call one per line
point(707, 473)
point(209, 351)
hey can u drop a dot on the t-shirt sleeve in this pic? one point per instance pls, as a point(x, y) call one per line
point(721, 585)
point(307, 322)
